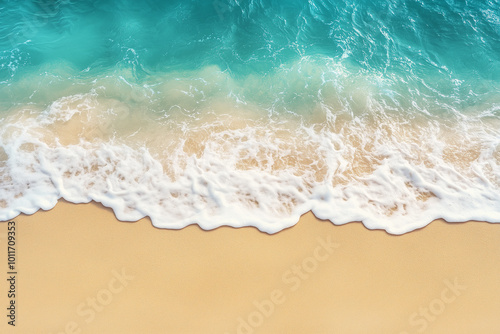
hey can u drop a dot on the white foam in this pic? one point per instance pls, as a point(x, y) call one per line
point(388, 174)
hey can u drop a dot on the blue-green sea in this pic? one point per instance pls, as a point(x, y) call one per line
point(251, 113)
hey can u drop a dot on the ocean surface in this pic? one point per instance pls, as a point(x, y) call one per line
point(251, 113)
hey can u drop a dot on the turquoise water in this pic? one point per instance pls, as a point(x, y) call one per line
point(382, 111)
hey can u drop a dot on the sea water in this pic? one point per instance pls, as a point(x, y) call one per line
point(253, 112)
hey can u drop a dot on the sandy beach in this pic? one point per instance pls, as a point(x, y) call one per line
point(231, 126)
point(80, 270)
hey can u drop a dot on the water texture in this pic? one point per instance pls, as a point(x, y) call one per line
point(251, 113)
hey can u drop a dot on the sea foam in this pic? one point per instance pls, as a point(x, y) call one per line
point(230, 162)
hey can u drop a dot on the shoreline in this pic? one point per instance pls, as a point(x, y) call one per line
point(83, 271)
point(307, 213)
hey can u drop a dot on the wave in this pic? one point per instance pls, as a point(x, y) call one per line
point(194, 149)
point(252, 112)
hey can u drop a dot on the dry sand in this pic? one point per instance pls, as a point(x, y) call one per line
point(82, 271)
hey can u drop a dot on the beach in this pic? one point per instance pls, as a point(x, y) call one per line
point(80, 270)
point(250, 167)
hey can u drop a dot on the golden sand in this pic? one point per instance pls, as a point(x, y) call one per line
point(79, 270)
